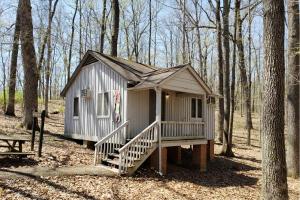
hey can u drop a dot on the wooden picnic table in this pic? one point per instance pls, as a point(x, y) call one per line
point(14, 145)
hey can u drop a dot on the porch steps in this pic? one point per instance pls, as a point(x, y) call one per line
point(117, 156)
point(126, 158)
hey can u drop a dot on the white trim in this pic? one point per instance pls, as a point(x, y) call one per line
point(82, 137)
point(78, 109)
point(171, 143)
point(193, 73)
point(108, 104)
point(202, 114)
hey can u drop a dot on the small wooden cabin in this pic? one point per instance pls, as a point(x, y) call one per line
point(133, 111)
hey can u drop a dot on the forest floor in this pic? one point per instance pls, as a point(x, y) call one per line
point(226, 178)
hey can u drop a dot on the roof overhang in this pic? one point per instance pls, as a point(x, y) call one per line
point(92, 57)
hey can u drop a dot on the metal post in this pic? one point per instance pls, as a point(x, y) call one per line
point(43, 115)
point(33, 132)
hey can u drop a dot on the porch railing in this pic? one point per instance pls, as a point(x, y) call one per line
point(116, 139)
point(172, 130)
point(138, 146)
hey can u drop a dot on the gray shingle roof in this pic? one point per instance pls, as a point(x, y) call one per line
point(143, 75)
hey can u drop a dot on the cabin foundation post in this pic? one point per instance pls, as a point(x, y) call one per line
point(210, 150)
point(175, 154)
point(200, 156)
point(154, 160)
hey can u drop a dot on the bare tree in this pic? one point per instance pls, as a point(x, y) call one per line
point(293, 90)
point(72, 39)
point(249, 125)
point(115, 31)
point(227, 146)
point(31, 73)
point(150, 32)
point(103, 26)
point(245, 84)
point(220, 69)
point(49, 52)
point(274, 181)
point(232, 94)
point(10, 110)
point(183, 6)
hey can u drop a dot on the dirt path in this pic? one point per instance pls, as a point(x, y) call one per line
point(59, 171)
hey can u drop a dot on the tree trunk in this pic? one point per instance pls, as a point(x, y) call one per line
point(80, 30)
point(183, 6)
point(49, 57)
point(249, 125)
point(29, 63)
point(71, 44)
point(220, 73)
point(150, 33)
point(227, 146)
point(245, 90)
point(274, 181)
point(293, 90)
point(115, 31)
point(13, 67)
point(237, 7)
point(103, 26)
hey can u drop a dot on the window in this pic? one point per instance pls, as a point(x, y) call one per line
point(196, 108)
point(102, 104)
point(76, 107)
point(199, 108)
point(193, 108)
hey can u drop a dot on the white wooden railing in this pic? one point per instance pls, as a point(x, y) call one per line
point(116, 139)
point(138, 146)
point(172, 130)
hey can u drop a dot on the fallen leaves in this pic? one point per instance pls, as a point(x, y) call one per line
point(235, 178)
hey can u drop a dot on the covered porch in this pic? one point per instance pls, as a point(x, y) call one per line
point(181, 115)
point(178, 99)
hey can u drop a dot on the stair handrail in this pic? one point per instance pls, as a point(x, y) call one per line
point(145, 139)
point(104, 140)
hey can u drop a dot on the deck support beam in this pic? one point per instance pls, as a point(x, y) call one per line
point(154, 160)
point(158, 119)
point(200, 156)
point(210, 150)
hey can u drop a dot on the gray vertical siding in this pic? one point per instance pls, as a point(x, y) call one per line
point(178, 108)
point(210, 118)
point(138, 111)
point(99, 78)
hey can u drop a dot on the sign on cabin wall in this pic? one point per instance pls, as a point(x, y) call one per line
point(86, 93)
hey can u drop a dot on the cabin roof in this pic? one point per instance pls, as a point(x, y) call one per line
point(143, 75)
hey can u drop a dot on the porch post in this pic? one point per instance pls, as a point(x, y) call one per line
point(158, 119)
point(205, 116)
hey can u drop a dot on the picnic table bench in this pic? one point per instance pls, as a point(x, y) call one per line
point(14, 145)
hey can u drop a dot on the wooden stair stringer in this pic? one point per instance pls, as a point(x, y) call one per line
point(138, 163)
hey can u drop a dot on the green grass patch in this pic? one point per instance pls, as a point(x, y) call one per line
point(18, 97)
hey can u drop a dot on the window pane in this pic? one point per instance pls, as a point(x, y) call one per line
point(193, 107)
point(105, 109)
point(199, 115)
point(76, 107)
point(99, 104)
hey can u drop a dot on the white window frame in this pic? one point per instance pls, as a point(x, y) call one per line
point(196, 110)
point(76, 116)
point(108, 104)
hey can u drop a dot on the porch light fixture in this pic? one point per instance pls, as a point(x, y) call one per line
point(167, 96)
